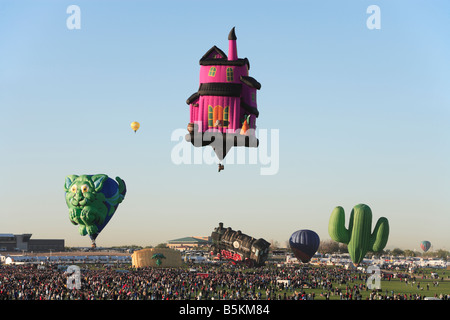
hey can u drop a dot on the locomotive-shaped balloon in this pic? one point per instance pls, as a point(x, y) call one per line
point(238, 247)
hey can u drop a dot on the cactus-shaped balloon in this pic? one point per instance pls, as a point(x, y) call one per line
point(359, 236)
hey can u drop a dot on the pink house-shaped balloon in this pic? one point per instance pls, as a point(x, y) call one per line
point(225, 102)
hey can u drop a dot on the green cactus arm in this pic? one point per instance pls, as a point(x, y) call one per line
point(380, 235)
point(336, 226)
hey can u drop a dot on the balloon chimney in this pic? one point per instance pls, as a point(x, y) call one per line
point(232, 48)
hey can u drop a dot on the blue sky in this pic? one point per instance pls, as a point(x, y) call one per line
point(362, 116)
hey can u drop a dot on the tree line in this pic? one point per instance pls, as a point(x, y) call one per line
point(333, 247)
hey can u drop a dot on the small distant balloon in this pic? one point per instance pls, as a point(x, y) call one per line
point(425, 245)
point(135, 126)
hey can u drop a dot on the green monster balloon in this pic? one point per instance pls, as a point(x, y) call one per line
point(358, 236)
point(92, 201)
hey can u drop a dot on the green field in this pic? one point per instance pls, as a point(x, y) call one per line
point(418, 286)
point(423, 286)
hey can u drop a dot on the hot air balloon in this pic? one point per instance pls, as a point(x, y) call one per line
point(135, 126)
point(223, 111)
point(359, 236)
point(92, 201)
point(304, 244)
point(239, 247)
point(425, 245)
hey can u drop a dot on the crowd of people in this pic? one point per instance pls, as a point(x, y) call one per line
point(205, 282)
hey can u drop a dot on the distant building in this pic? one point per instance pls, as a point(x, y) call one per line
point(36, 245)
point(188, 243)
point(23, 242)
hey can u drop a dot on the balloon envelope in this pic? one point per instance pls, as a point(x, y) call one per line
point(304, 244)
point(92, 201)
point(135, 126)
point(425, 245)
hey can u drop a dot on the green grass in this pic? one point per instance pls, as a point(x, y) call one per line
point(396, 286)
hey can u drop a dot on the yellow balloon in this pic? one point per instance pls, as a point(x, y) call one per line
point(135, 126)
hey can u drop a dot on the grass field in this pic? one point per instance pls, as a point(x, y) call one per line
point(423, 285)
point(418, 284)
